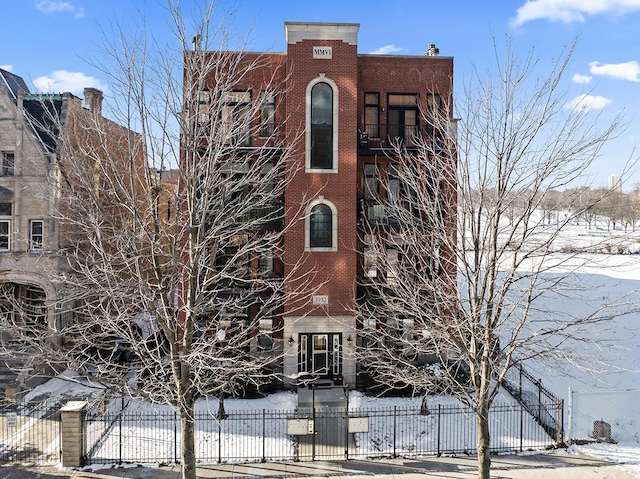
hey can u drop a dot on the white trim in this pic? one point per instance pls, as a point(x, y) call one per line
point(295, 32)
point(307, 140)
point(31, 235)
point(334, 226)
point(8, 234)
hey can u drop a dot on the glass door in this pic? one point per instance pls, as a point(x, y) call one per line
point(320, 354)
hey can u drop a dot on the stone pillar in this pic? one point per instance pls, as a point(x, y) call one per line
point(72, 433)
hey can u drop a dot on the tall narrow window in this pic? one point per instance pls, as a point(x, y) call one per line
point(371, 114)
point(402, 117)
point(236, 117)
point(8, 162)
point(204, 102)
point(322, 126)
point(370, 181)
point(265, 263)
point(5, 228)
point(265, 334)
point(36, 234)
point(392, 267)
point(267, 114)
point(393, 184)
point(320, 227)
point(433, 126)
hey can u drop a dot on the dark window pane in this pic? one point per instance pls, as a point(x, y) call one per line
point(320, 224)
point(321, 126)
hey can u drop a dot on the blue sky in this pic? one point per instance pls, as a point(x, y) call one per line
point(51, 43)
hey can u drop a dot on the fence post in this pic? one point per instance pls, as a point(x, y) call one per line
point(175, 437)
point(560, 438)
point(219, 440)
point(521, 425)
point(72, 432)
point(264, 434)
point(570, 418)
point(120, 437)
point(346, 425)
point(394, 430)
point(439, 407)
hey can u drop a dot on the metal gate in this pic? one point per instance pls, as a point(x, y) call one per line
point(321, 425)
point(324, 435)
point(29, 433)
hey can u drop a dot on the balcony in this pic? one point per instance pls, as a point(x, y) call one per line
point(375, 214)
point(270, 217)
point(374, 138)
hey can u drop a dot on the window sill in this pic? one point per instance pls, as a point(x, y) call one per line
point(321, 250)
point(322, 170)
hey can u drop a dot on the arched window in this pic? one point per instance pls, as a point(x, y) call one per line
point(321, 227)
point(322, 126)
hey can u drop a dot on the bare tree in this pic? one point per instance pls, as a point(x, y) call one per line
point(170, 282)
point(516, 141)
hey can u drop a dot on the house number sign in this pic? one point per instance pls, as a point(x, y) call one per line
point(323, 52)
point(321, 299)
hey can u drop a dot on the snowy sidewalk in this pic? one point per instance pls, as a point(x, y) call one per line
point(551, 466)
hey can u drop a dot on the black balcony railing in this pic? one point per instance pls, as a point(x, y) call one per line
point(269, 217)
point(373, 137)
point(375, 213)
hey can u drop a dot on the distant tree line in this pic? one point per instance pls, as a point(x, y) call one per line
point(596, 207)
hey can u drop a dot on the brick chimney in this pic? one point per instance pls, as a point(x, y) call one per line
point(93, 100)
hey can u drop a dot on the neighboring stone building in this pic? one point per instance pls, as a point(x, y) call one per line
point(31, 236)
point(349, 106)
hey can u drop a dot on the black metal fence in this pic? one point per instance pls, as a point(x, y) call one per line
point(29, 433)
point(143, 436)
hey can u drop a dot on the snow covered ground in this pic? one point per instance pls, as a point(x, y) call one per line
point(605, 376)
point(604, 277)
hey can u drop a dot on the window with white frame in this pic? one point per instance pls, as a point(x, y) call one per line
point(322, 125)
point(36, 234)
point(5, 235)
point(392, 268)
point(6, 210)
point(265, 334)
point(370, 260)
point(321, 226)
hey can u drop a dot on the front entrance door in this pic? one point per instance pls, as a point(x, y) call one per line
point(320, 354)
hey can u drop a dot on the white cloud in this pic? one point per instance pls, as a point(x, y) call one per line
point(629, 71)
point(583, 79)
point(8, 68)
point(387, 49)
point(62, 81)
point(588, 102)
point(53, 6)
point(569, 11)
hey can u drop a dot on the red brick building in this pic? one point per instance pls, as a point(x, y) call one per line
point(340, 110)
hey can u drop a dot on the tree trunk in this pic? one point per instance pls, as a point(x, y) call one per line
point(484, 457)
point(188, 454)
point(187, 420)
